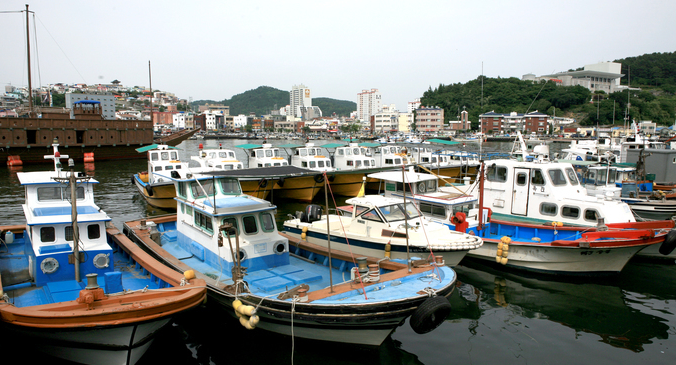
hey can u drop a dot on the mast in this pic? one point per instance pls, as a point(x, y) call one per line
point(150, 80)
point(28, 54)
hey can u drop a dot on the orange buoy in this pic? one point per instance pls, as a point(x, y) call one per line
point(14, 161)
point(89, 157)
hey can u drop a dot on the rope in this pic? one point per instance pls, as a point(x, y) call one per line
point(347, 240)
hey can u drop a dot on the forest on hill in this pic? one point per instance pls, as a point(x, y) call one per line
point(654, 74)
point(264, 99)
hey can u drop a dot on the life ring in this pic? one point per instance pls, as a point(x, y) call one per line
point(149, 190)
point(430, 314)
point(669, 243)
point(422, 188)
point(263, 183)
point(319, 178)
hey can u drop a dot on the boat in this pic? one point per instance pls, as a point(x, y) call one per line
point(378, 226)
point(175, 138)
point(154, 184)
point(282, 285)
point(100, 301)
point(549, 248)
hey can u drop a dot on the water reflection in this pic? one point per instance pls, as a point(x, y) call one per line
point(604, 308)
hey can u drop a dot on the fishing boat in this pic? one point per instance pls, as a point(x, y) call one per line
point(77, 290)
point(379, 226)
point(281, 284)
point(154, 184)
point(532, 245)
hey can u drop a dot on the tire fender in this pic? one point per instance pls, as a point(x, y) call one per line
point(669, 243)
point(149, 190)
point(430, 314)
point(319, 178)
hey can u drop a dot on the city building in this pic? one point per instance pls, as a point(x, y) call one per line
point(498, 123)
point(107, 103)
point(299, 97)
point(429, 119)
point(460, 125)
point(603, 76)
point(368, 104)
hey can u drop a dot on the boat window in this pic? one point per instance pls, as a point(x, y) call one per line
point(49, 193)
point(313, 164)
point(355, 150)
point(328, 163)
point(570, 212)
point(557, 176)
point(388, 161)
point(348, 152)
point(366, 163)
point(572, 177)
point(233, 222)
point(268, 153)
point(340, 152)
point(537, 178)
point(601, 177)
point(188, 210)
point(177, 167)
point(412, 210)
point(164, 156)
point(230, 186)
point(303, 152)
point(521, 179)
point(303, 164)
point(158, 168)
point(433, 209)
point(611, 176)
point(350, 163)
point(153, 156)
point(393, 213)
point(93, 231)
point(465, 208)
point(421, 187)
point(47, 234)
point(372, 215)
point(174, 155)
point(311, 151)
point(276, 152)
point(202, 189)
point(267, 223)
point(591, 215)
point(203, 221)
point(267, 164)
point(320, 163)
point(357, 163)
point(68, 232)
point(360, 209)
point(249, 223)
point(548, 209)
point(497, 174)
point(169, 168)
point(397, 161)
point(79, 192)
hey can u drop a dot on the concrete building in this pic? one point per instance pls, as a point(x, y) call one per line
point(460, 125)
point(498, 123)
point(603, 76)
point(429, 119)
point(299, 97)
point(369, 102)
point(107, 103)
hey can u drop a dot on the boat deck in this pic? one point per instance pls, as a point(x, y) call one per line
point(307, 267)
point(14, 266)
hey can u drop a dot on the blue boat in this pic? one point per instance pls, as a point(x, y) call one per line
point(74, 286)
point(289, 286)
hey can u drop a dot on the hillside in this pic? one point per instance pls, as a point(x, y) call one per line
point(654, 73)
point(265, 98)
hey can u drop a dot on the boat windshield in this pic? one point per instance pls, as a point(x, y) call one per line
point(396, 212)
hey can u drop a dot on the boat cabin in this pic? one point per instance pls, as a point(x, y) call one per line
point(353, 157)
point(163, 161)
point(311, 157)
point(265, 156)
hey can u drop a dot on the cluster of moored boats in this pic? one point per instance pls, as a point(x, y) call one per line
point(349, 273)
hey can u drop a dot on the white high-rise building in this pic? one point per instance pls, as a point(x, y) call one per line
point(299, 97)
point(368, 103)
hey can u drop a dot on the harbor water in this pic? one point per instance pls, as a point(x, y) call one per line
point(499, 316)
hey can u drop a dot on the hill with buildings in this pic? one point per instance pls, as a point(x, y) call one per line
point(651, 95)
point(264, 99)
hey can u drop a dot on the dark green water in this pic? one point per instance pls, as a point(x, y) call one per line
point(498, 318)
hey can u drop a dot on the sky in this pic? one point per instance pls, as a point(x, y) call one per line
point(216, 49)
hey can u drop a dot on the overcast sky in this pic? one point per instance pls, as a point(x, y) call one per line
point(217, 49)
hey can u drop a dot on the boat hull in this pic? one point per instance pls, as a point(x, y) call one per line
point(339, 314)
point(163, 194)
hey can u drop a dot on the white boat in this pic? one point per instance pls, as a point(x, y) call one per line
point(282, 285)
point(379, 226)
point(217, 159)
point(154, 184)
point(71, 287)
point(530, 246)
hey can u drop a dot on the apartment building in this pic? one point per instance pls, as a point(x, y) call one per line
point(498, 123)
point(429, 119)
point(369, 102)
